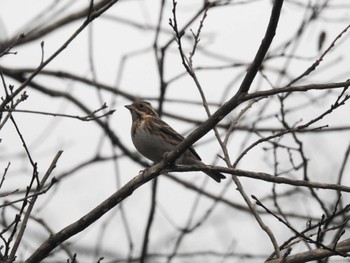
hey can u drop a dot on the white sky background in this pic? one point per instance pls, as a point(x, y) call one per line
point(234, 32)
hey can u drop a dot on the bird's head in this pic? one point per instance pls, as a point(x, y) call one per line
point(141, 109)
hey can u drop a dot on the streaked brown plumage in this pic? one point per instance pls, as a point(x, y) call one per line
point(152, 137)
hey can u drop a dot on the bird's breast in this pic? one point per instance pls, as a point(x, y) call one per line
point(150, 145)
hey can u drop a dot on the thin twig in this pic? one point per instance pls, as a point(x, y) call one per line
point(146, 237)
point(308, 239)
point(89, 117)
point(4, 174)
point(31, 206)
point(319, 60)
point(91, 17)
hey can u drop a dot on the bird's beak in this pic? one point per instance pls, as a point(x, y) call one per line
point(129, 107)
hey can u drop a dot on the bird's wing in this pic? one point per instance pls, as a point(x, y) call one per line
point(175, 136)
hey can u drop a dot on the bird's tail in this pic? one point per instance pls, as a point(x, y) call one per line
point(216, 175)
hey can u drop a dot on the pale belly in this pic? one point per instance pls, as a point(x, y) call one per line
point(150, 146)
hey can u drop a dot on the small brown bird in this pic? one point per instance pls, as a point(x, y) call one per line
point(152, 137)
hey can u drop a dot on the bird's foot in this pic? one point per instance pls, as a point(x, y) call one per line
point(169, 164)
point(141, 172)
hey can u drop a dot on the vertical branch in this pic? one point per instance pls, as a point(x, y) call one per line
point(149, 222)
point(4, 174)
point(187, 228)
point(342, 169)
point(160, 57)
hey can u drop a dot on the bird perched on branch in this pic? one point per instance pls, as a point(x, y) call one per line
point(153, 138)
